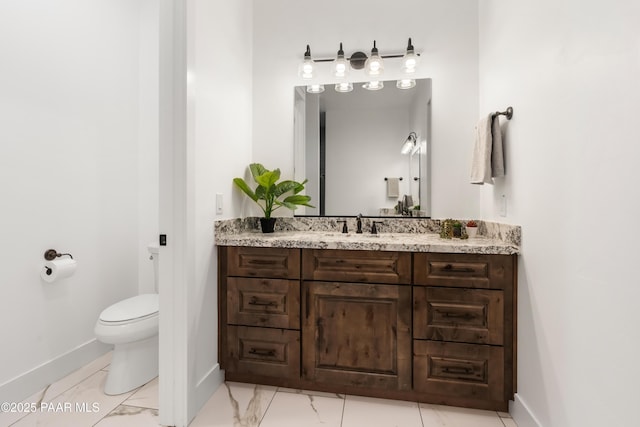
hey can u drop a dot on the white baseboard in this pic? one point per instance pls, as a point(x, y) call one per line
point(521, 413)
point(205, 388)
point(24, 385)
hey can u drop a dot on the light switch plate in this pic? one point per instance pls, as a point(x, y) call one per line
point(503, 205)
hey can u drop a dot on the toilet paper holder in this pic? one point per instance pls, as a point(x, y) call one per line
point(52, 254)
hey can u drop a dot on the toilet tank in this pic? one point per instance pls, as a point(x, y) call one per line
point(154, 250)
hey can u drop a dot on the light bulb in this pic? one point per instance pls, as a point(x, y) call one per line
point(344, 87)
point(315, 88)
point(405, 83)
point(373, 85)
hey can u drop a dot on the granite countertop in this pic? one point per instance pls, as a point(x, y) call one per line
point(414, 236)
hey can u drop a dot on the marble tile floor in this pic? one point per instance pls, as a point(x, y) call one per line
point(77, 400)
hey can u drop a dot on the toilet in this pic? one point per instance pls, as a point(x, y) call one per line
point(131, 326)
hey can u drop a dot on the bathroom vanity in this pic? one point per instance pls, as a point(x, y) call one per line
point(403, 315)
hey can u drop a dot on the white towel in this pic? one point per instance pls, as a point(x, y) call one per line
point(393, 187)
point(481, 160)
point(497, 158)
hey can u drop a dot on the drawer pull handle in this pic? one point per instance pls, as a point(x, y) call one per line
point(267, 352)
point(466, 316)
point(261, 262)
point(457, 370)
point(256, 301)
point(453, 269)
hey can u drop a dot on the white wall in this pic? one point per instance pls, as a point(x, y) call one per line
point(446, 34)
point(219, 130)
point(148, 128)
point(69, 166)
point(571, 71)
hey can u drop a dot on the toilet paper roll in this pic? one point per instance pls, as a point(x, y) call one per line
point(58, 269)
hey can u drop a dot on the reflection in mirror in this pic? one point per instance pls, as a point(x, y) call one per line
point(348, 145)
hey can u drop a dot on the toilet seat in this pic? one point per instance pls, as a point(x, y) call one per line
point(131, 309)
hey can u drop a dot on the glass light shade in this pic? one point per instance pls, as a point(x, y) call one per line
point(344, 87)
point(405, 83)
point(409, 145)
point(373, 85)
point(341, 67)
point(315, 88)
point(374, 65)
point(406, 147)
point(307, 69)
point(410, 60)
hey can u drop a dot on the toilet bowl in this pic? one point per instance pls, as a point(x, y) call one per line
point(131, 326)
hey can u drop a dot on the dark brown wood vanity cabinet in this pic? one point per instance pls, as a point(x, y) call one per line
point(428, 327)
point(463, 328)
point(356, 318)
point(260, 311)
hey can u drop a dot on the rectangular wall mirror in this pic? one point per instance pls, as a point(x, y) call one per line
point(348, 146)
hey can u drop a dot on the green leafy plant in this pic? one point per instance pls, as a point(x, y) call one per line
point(446, 229)
point(271, 194)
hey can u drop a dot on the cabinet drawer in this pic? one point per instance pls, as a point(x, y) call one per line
point(461, 370)
point(263, 302)
point(463, 270)
point(263, 351)
point(263, 262)
point(357, 266)
point(461, 315)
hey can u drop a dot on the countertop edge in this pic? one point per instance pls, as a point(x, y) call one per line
point(396, 242)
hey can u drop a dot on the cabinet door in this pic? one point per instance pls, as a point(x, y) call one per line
point(357, 334)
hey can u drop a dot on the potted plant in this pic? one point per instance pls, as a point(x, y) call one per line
point(270, 194)
point(457, 228)
point(472, 228)
point(446, 229)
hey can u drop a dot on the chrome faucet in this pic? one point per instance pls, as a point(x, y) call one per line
point(359, 224)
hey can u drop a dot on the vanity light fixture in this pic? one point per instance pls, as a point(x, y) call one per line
point(344, 87)
point(341, 66)
point(374, 65)
point(373, 85)
point(409, 60)
point(410, 144)
point(405, 83)
point(315, 88)
point(307, 67)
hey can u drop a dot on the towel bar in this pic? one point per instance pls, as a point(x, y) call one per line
point(387, 179)
point(508, 113)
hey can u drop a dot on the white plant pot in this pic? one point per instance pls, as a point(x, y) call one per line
point(472, 231)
